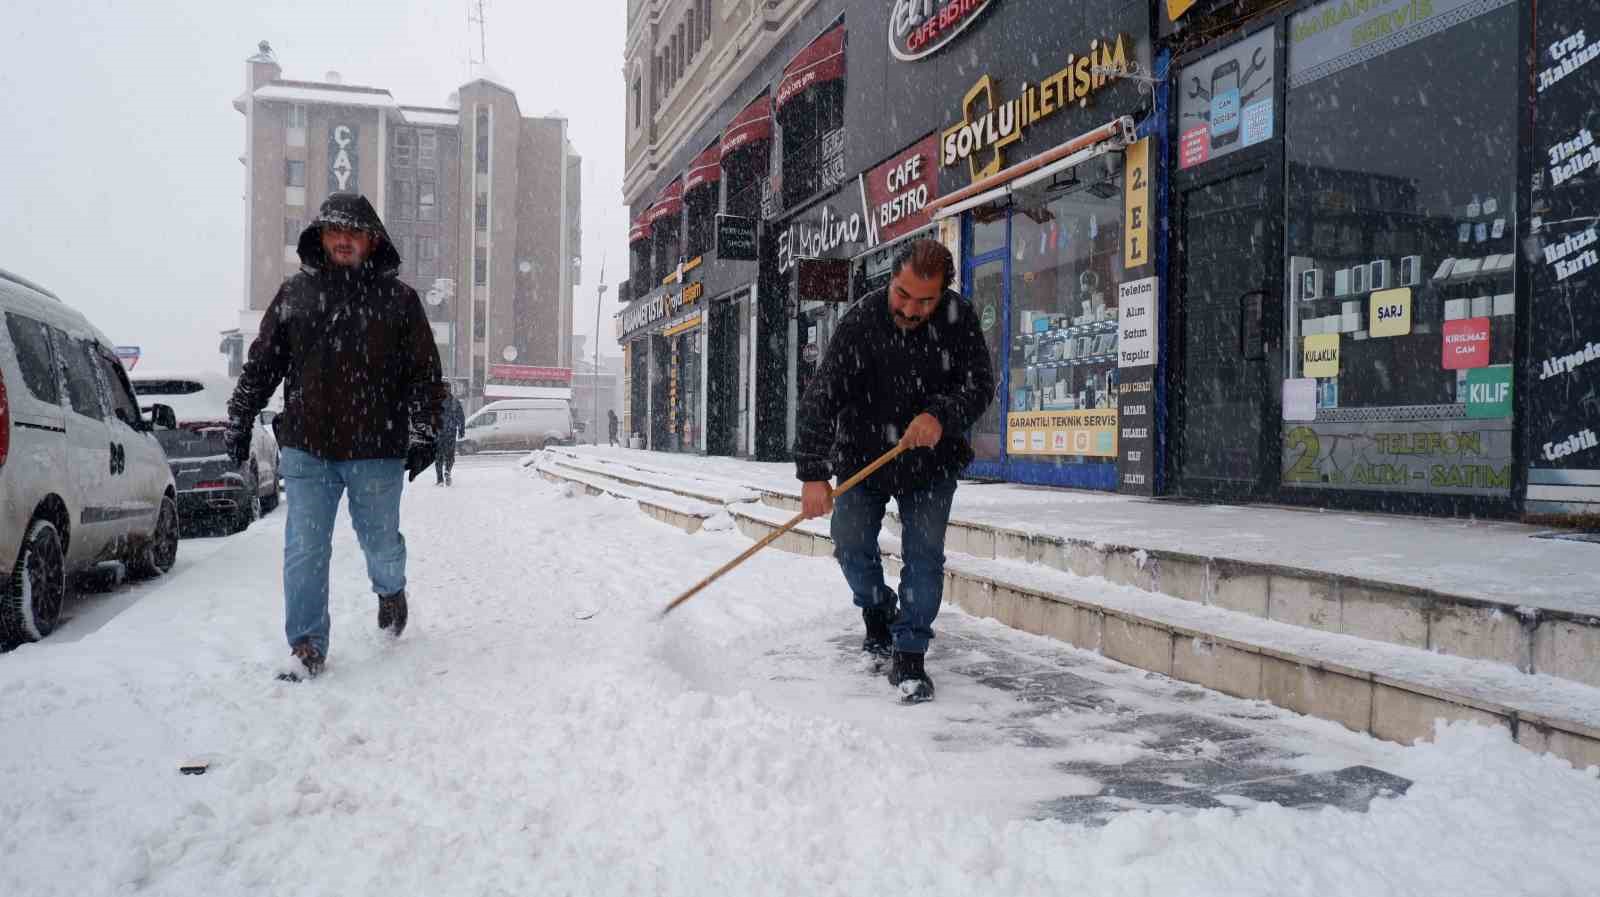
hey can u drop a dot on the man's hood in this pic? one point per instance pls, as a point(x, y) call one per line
point(352, 211)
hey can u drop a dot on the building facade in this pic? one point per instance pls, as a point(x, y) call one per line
point(1319, 252)
point(482, 202)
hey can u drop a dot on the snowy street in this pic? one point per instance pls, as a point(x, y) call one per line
point(504, 746)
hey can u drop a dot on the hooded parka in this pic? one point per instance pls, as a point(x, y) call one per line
point(352, 347)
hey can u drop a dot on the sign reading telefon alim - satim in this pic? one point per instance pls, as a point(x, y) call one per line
point(1562, 401)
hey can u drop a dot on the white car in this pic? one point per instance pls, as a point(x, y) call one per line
point(83, 478)
point(211, 487)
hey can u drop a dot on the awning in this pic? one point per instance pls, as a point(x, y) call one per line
point(1112, 135)
point(705, 169)
point(754, 123)
point(640, 230)
point(821, 61)
point(669, 204)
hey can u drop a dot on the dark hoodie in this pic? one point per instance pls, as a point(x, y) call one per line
point(352, 346)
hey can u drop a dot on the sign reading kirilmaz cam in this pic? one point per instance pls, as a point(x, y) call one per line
point(920, 28)
point(343, 159)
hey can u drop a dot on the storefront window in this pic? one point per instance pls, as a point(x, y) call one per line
point(701, 204)
point(1401, 240)
point(744, 170)
point(1066, 263)
point(812, 142)
point(664, 232)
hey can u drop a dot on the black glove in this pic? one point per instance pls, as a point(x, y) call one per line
point(237, 438)
point(420, 448)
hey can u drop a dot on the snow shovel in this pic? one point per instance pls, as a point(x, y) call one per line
point(771, 537)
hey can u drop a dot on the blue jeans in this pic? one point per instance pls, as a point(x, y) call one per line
point(924, 514)
point(314, 487)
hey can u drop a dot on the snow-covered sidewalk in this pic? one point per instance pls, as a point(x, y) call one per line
point(502, 746)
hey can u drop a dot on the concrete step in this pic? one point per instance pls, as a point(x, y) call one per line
point(673, 509)
point(1390, 691)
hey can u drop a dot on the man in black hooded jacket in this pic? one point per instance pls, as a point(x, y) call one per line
point(907, 364)
point(362, 392)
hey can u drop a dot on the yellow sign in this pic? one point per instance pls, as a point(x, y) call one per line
point(1390, 313)
point(1092, 433)
point(688, 324)
point(1176, 8)
point(693, 292)
point(988, 126)
point(1321, 356)
point(1136, 204)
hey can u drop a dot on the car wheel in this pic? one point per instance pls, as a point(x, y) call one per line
point(159, 552)
point(467, 447)
point(38, 587)
point(250, 509)
point(270, 500)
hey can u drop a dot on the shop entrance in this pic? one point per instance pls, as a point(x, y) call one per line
point(1226, 314)
point(660, 394)
point(722, 379)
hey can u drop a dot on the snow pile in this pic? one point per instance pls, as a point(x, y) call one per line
point(500, 747)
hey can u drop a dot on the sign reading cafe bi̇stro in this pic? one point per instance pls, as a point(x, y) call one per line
point(988, 124)
point(920, 28)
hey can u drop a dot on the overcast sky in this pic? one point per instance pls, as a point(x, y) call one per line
point(121, 189)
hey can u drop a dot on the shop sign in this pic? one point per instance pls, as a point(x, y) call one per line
point(1136, 323)
point(1489, 392)
point(529, 372)
point(1136, 204)
point(895, 195)
point(1440, 457)
point(1390, 312)
point(988, 127)
point(1561, 401)
point(1225, 101)
point(736, 238)
point(920, 28)
point(823, 233)
point(1176, 8)
point(1320, 355)
point(644, 314)
point(343, 158)
point(1089, 433)
point(987, 320)
point(1466, 344)
point(1340, 33)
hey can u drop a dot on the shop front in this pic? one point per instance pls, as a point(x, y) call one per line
point(664, 335)
point(1044, 161)
point(1362, 275)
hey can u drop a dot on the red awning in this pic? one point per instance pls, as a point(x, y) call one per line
point(705, 169)
point(668, 204)
point(754, 123)
point(821, 61)
point(640, 230)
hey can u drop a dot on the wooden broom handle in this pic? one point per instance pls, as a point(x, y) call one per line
point(771, 537)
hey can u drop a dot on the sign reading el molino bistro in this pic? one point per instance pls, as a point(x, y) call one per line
point(920, 28)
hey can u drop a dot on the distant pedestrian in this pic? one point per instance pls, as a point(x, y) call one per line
point(354, 350)
point(613, 422)
point(906, 364)
point(452, 426)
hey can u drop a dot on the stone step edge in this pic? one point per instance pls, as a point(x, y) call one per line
point(1387, 706)
point(673, 513)
point(607, 470)
point(1559, 643)
point(610, 464)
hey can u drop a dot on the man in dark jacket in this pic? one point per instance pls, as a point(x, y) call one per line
point(362, 389)
point(452, 426)
point(612, 422)
point(906, 364)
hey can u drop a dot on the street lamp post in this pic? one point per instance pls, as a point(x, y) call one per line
point(594, 381)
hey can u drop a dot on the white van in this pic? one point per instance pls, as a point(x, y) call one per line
point(82, 477)
point(518, 424)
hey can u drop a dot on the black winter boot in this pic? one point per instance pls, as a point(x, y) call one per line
point(309, 657)
point(392, 612)
point(879, 642)
point(907, 673)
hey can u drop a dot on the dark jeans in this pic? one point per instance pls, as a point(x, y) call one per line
point(924, 514)
point(444, 453)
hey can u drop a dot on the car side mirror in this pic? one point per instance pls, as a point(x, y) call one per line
point(164, 417)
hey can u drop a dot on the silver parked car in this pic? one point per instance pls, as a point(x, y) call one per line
point(83, 478)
